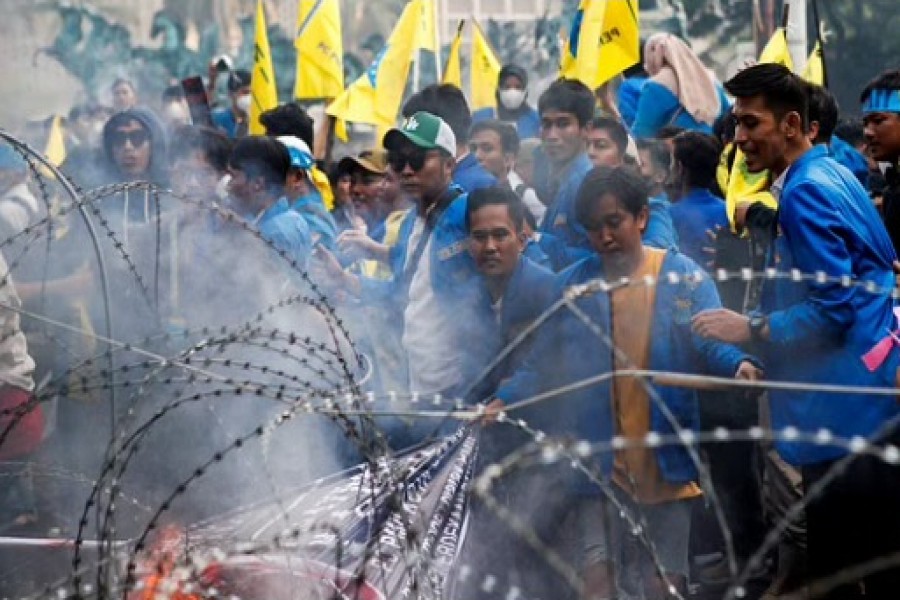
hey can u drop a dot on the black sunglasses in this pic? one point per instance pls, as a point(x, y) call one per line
point(138, 137)
point(414, 158)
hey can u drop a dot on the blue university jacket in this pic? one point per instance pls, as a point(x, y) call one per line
point(819, 332)
point(560, 216)
point(658, 107)
point(566, 352)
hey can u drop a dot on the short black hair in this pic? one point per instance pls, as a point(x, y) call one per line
point(570, 96)
point(851, 131)
point(615, 129)
point(725, 126)
point(886, 80)
point(289, 119)
point(823, 109)
point(496, 196)
point(509, 137)
point(123, 81)
point(261, 156)
point(658, 151)
point(238, 79)
point(698, 153)
point(623, 182)
point(214, 144)
point(781, 90)
point(446, 101)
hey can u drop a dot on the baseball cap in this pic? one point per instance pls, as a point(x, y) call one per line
point(373, 161)
point(301, 156)
point(426, 131)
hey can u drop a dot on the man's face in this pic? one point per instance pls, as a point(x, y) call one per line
point(390, 188)
point(561, 135)
point(131, 148)
point(602, 149)
point(493, 241)
point(488, 150)
point(194, 177)
point(760, 135)
point(615, 233)
point(239, 187)
point(882, 131)
point(123, 96)
point(366, 189)
point(424, 174)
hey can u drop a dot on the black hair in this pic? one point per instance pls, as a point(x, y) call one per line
point(261, 156)
point(781, 90)
point(823, 109)
point(658, 152)
point(123, 81)
point(725, 126)
point(886, 80)
point(615, 129)
point(509, 137)
point(698, 153)
point(173, 92)
point(497, 196)
point(238, 79)
point(851, 131)
point(511, 70)
point(624, 183)
point(570, 96)
point(214, 144)
point(446, 101)
point(289, 119)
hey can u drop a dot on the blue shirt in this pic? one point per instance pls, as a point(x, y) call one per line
point(224, 120)
point(470, 175)
point(660, 232)
point(560, 216)
point(695, 214)
point(658, 107)
point(321, 223)
point(287, 231)
point(528, 122)
point(628, 96)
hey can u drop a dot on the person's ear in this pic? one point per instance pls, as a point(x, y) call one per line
point(792, 125)
point(642, 218)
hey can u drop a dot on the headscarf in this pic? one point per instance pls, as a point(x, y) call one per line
point(686, 76)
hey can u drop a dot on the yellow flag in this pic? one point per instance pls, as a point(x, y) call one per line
point(320, 50)
point(320, 180)
point(485, 69)
point(427, 34)
point(453, 69)
point(815, 66)
point(776, 51)
point(55, 150)
point(604, 41)
point(375, 97)
point(263, 93)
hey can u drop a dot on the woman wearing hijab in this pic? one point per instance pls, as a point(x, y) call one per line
point(512, 92)
point(680, 91)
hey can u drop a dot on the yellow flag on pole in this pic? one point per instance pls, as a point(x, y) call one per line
point(320, 50)
point(815, 66)
point(55, 151)
point(263, 93)
point(453, 70)
point(776, 50)
point(604, 41)
point(376, 95)
point(427, 35)
point(484, 71)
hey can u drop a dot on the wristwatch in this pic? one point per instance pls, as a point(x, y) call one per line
point(757, 323)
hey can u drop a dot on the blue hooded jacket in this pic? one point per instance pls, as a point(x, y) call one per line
point(820, 331)
point(567, 352)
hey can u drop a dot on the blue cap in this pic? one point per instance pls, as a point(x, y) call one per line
point(882, 100)
point(301, 157)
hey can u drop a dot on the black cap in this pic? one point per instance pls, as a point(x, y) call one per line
point(238, 79)
point(514, 70)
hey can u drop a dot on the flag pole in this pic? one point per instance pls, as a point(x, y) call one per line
point(819, 38)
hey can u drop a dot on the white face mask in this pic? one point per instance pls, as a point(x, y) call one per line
point(512, 98)
point(243, 103)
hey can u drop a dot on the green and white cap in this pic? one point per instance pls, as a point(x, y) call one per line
point(426, 131)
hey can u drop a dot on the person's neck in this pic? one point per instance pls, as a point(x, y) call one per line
point(561, 167)
point(791, 155)
point(496, 286)
point(427, 203)
point(627, 267)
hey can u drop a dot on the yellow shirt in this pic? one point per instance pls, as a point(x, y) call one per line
point(636, 470)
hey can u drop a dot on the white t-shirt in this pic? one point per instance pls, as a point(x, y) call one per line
point(430, 332)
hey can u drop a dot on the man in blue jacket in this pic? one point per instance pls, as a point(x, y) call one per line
point(640, 326)
point(822, 332)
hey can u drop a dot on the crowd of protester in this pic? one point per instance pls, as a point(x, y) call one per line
point(451, 236)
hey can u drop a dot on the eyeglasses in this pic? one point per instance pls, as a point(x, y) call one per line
point(138, 137)
point(415, 159)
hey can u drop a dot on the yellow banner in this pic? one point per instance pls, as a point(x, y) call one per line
point(453, 69)
point(320, 50)
point(263, 93)
point(484, 71)
point(603, 42)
